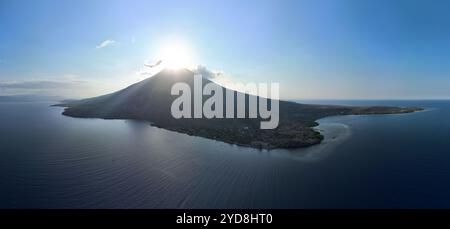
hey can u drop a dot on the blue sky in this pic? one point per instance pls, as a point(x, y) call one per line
point(337, 49)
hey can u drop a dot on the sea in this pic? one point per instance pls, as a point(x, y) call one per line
point(48, 160)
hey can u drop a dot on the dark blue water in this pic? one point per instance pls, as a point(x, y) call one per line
point(51, 161)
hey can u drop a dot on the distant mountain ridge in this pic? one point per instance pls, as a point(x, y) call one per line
point(29, 98)
point(151, 100)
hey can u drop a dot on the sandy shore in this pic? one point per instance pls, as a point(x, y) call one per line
point(334, 134)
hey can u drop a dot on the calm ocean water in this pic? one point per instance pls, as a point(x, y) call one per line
point(388, 161)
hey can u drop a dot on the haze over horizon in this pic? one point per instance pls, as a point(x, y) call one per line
point(321, 49)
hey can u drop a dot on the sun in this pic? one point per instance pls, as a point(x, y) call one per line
point(175, 54)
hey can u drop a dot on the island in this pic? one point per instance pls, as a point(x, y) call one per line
point(150, 100)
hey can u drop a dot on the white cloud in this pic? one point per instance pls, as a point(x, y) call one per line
point(218, 76)
point(106, 43)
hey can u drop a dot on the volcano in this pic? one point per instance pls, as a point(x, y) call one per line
point(151, 100)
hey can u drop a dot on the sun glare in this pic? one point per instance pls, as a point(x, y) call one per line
point(175, 55)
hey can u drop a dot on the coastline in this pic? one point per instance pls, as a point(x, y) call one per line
point(334, 134)
point(333, 131)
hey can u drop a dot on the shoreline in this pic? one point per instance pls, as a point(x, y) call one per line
point(323, 128)
point(293, 132)
point(334, 134)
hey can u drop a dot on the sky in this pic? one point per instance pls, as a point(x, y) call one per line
point(315, 49)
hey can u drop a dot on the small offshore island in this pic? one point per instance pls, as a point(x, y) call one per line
point(150, 100)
